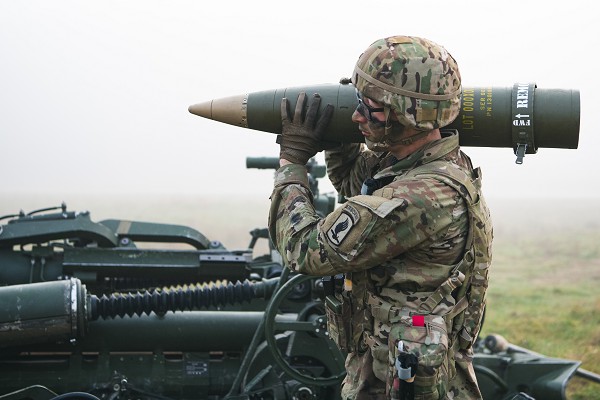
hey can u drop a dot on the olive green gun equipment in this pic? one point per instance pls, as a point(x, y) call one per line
point(523, 117)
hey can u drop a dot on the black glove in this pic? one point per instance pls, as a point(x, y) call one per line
point(302, 139)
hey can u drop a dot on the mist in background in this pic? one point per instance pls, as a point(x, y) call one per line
point(94, 94)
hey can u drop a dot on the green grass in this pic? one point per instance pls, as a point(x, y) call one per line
point(544, 289)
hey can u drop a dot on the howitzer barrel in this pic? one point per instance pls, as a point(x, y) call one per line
point(59, 311)
point(489, 117)
point(262, 162)
point(180, 331)
point(42, 312)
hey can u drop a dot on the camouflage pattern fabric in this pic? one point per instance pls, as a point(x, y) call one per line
point(349, 165)
point(417, 78)
point(405, 239)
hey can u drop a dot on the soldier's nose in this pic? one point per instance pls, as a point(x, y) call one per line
point(358, 117)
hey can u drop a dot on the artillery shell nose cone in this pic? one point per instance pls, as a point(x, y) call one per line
point(230, 110)
point(202, 109)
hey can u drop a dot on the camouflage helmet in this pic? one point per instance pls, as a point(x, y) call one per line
point(415, 77)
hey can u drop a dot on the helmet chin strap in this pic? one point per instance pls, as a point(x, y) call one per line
point(393, 135)
point(394, 131)
point(392, 138)
point(404, 141)
point(377, 146)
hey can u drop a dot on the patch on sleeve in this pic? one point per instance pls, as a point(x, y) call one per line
point(343, 225)
point(381, 206)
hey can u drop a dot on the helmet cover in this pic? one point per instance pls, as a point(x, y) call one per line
point(415, 77)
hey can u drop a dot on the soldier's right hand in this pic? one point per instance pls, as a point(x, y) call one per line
point(302, 138)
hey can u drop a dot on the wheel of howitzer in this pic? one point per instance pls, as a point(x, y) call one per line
point(313, 331)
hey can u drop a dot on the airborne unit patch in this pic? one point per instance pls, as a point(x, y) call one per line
point(342, 225)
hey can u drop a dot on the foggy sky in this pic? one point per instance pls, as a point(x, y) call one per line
point(94, 94)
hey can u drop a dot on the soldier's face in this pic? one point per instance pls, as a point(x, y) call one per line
point(370, 117)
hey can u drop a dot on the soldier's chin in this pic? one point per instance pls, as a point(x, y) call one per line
point(377, 146)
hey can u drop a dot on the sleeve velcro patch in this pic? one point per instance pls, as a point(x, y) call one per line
point(343, 224)
point(380, 206)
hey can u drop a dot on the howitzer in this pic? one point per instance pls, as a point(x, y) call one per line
point(86, 311)
point(523, 117)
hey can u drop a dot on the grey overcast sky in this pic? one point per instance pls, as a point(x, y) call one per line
point(94, 94)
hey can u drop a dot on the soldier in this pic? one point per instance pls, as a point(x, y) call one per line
point(413, 240)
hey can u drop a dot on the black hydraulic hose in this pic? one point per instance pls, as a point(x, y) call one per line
point(256, 339)
point(75, 395)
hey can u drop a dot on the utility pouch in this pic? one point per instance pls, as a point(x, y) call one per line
point(338, 310)
point(426, 338)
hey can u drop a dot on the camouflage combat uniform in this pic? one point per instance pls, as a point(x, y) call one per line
point(397, 247)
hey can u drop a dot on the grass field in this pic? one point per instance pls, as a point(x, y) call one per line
point(544, 290)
